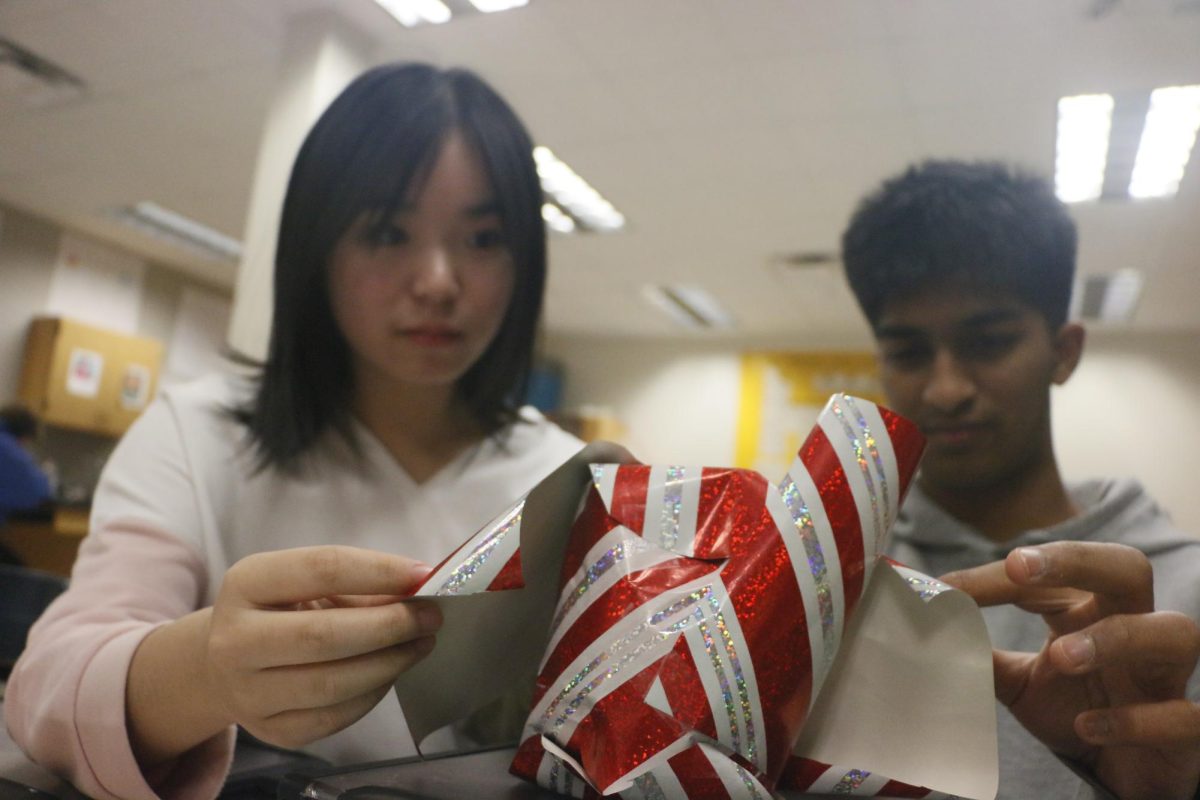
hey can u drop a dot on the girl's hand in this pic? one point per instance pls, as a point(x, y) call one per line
point(301, 643)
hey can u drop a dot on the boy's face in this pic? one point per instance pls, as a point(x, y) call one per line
point(973, 369)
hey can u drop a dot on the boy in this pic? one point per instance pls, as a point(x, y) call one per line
point(964, 272)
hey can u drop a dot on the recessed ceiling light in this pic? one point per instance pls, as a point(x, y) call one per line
point(556, 220)
point(180, 231)
point(688, 305)
point(1081, 146)
point(574, 194)
point(415, 12)
point(489, 6)
point(1167, 141)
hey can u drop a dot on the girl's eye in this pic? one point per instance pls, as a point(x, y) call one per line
point(487, 239)
point(386, 235)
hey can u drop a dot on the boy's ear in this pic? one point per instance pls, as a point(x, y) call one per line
point(1068, 349)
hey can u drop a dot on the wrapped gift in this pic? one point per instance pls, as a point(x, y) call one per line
point(702, 632)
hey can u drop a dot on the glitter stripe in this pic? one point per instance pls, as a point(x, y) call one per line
point(739, 678)
point(595, 571)
point(672, 507)
point(650, 637)
point(555, 765)
point(714, 657)
point(863, 466)
point(816, 562)
point(649, 787)
point(873, 449)
point(850, 782)
point(465, 571)
point(926, 587)
point(752, 785)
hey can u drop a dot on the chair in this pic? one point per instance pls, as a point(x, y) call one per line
point(24, 595)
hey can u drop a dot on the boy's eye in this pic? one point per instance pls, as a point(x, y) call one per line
point(987, 346)
point(906, 356)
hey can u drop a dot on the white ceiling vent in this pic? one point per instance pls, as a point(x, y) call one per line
point(30, 81)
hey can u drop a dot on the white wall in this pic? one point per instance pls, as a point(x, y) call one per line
point(29, 248)
point(1132, 408)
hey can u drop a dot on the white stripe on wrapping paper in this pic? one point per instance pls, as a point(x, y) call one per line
point(740, 783)
point(672, 502)
point(847, 781)
point(725, 669)
point(853, 452)
point(604, 478)
point(656, 697)
point(615, 555)
point(477, 563)
point(799, 515)
point(639, 639)
point(926, 587)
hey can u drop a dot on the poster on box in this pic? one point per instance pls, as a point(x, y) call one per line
point(84, 368)
point(135, 387)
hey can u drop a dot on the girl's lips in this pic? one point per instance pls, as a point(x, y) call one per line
point(432, 337)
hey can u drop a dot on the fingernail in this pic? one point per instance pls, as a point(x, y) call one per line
point(1080, 649)
point(421, 570)
point(1034, 561)
point(1096, 726)
point(429, 619)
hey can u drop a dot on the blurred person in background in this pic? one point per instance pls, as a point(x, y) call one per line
point(964, 272)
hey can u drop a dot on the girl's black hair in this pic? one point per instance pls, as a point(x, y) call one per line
point(366, 154)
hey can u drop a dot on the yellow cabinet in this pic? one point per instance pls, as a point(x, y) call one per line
point(87, 378)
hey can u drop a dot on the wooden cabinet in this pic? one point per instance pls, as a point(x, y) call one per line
point(86, 378)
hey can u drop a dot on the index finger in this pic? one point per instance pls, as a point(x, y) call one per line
point(1120, 575)
point(990, 585)
point(286, 577)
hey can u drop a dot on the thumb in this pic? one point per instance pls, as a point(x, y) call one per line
point(1010, 671)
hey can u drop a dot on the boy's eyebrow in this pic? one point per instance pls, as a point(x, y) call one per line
point(983, 319)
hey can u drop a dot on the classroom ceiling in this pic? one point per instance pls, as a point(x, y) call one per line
point(731, 134)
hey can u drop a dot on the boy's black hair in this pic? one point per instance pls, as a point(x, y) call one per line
point(367, 153)
point(982, 224)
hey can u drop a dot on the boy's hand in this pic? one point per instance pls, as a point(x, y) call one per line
point(1108, 688)
point(304, 642)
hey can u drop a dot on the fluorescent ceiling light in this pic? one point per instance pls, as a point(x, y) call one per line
point(689, 306)
point(180, 231)
point(556, 220)
point(1111, 298)
point(1081, 147)
point(489, 6)
point(414, 12)
point(573, 193)
point(1167, 141)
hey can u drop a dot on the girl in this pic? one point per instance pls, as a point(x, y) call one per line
point(408, 282)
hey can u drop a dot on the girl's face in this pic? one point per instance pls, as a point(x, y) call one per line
point(421, 296)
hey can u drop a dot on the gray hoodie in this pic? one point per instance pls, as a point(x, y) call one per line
point(928, 539)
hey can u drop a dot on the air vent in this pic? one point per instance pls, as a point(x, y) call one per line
point(29, 80)
point(807, 259)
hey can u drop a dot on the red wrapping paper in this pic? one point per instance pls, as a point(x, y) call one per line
point(700, 611)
